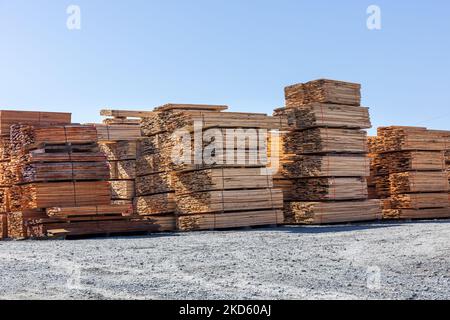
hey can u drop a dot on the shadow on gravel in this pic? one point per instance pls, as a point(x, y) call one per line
point(336, 228)
point(356, 227)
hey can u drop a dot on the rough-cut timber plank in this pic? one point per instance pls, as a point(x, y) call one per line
point(229, 201)
point(9, 118)
point(66, 212)
point(120, 151)
point(63, 171)
point(26, 137)
point(413, 182)
point(221, 179)
point(229, 220)
point(317, 115)
point(436, 213)
point(324, 166)
point(324, 140)
point(323, 90)
point(324, 189)
point(60, 194)
point(420, 200)
point(122, 170)
point(397, 162)
point(155, 204)
point(154, 184)
point(116, 133)
point(409, 139)
point(197, 107)
point(122, 189)
point(89, 228)
point(332, 212)
point(125, 113)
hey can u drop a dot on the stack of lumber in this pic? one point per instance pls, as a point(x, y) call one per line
point(120, 147)
point(324, 163)
point(121, 157)
point(219, 183)
point(323, 91)
point(60, 185)
point(410, 173)
point(8, 176)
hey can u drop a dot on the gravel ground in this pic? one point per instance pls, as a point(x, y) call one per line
point(364, 261)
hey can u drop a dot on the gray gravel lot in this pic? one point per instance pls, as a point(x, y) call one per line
point(364, 261)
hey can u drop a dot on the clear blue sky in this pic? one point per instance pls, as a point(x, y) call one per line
point(138, 54)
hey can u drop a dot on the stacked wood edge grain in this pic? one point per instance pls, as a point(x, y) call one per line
point(126, 162)
point(206, 195)
point(56, 180)
point(324, 160)
point(409, 170)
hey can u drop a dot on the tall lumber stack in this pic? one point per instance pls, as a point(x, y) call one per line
point(125, 151)
point(410, 173)
point(7, 119)
point(60, 185)
point(120, 149)
point(210, 193)
point(324, 162)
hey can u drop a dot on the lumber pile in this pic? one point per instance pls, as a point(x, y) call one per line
point(324, 163)
point(8, 174)
point(120, 147)
point(213, 176)
point(323, 91)
point(410, 173)
point(58, 185)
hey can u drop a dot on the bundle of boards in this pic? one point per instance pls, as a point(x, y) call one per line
point(58, 185)
point(324, 163)
point(208, 184)
point(409, 172)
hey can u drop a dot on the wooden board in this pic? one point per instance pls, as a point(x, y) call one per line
point(332, 212)
point(26, 137)
point(122, 170)
point(170, 121)
point(418, 182)
point(229, 220)
point(323, 189)
point(60, 194)
point(229, 201)
point(409, 139)
point(18, 222)
point(89, 228)
point(323, 90)
point(63, 171)
point(155, 204)
point(420, 200)
point(105, 210)
point(397, 162)
point(115, 133)
point(436, 213)
point(221, 179)
point(10, 117)
point(324, 140)
point(317, 115)
point(120, 151)
point(122, 189)
point(163, 223)
point(125, 113)
point(196, 107)
point(154, 184)
point(324, 166)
